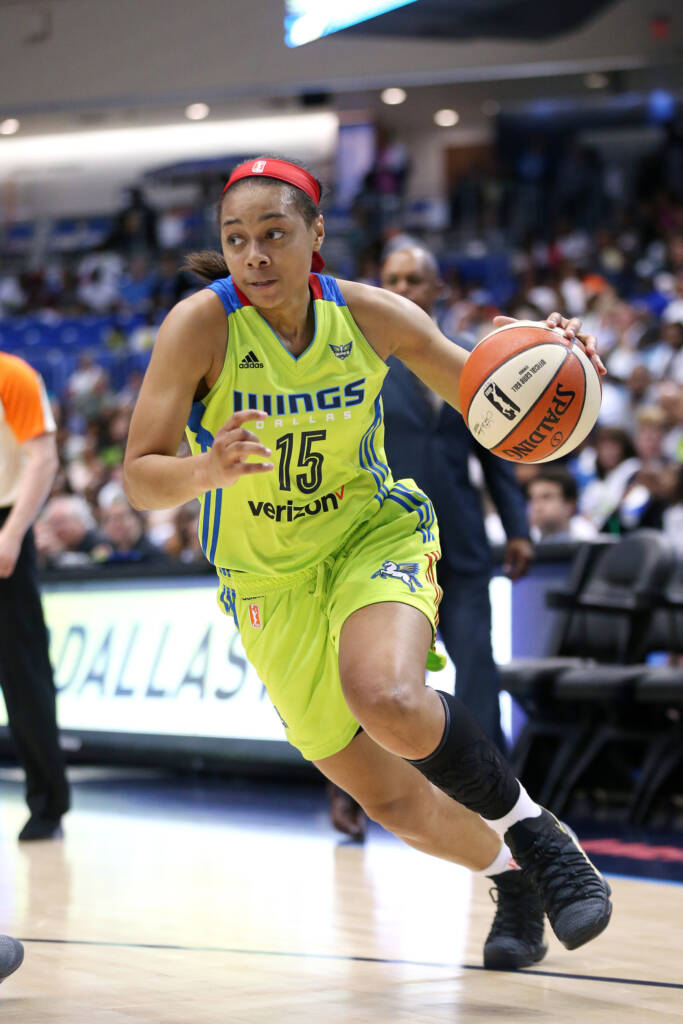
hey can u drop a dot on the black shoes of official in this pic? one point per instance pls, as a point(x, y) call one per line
point(574, 894)
point(516, 936)
point(11, 956)
point(41, 828)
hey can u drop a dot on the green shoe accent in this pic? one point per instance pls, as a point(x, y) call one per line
point(435, 661)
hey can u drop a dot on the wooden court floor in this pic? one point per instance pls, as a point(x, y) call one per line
point(173, 913)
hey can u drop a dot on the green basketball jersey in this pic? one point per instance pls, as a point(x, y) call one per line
point(324, 427)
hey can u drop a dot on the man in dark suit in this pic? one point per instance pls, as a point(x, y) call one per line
point(427, 440)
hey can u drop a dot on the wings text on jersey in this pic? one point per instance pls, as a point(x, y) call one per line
point(325, 399)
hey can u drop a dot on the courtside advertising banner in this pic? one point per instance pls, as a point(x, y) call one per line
point(160, 658)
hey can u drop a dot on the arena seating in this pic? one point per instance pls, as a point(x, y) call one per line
point(608, 607)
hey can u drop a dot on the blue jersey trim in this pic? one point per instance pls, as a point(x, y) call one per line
point(416, 501)
point(225, 290)
point(419, 503)
point(206, 515)
point(194, 422)
point(216, 524)
point(227, 599)
point(368, 457)
point(330, 290)
point(205, 441)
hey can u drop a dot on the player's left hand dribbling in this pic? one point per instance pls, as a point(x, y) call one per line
point(571, 328)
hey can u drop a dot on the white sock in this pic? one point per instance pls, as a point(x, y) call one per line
point(524, 808)
point(504, 862)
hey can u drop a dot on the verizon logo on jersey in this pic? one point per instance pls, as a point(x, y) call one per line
point(290, 511)
point(251, 361)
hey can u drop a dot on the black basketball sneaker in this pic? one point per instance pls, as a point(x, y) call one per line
point(516, 936)
point(11, 956)
point(574, 894)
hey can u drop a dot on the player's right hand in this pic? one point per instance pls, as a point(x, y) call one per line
point(231, 448)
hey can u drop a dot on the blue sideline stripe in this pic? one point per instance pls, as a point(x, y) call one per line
point(330, 289)
point(216, 523)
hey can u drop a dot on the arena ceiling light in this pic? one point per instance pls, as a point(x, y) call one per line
point(306, 20)
point(197, 111)
point(307, 135)
point(446, 118)
point(392, 97)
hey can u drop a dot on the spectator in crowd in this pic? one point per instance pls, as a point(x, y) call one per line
point(673, 314)
point(183, 544)
point(123, 529)
point(85, 472)
point(665, 358)
point(28, 463)
point(69, 535)
point(97, 293)
point(614, 464)
point(670, 400)
point(552, 496)
point(650, 487)
point(672, 517)
point(134, 230)
point(87, 390)
point(137, 288)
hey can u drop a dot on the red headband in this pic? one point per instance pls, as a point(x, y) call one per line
point(281, 170)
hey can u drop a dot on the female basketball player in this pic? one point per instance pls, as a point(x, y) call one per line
point(326, 563)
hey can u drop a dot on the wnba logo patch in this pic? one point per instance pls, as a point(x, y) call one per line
point(258, 167)
point(255, 616)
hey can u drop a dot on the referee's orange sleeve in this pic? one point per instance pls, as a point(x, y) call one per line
point(23, 397)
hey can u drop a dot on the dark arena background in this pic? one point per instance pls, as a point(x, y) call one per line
point(537, 151)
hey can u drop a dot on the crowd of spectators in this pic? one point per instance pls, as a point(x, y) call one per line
point(623, 274)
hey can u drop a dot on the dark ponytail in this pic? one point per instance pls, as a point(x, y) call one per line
point(207, 264)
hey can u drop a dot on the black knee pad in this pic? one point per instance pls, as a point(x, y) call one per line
point(468, 766)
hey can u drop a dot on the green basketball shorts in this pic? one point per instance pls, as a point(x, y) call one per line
point(290, 625)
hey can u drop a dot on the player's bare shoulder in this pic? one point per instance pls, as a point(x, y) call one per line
point(387, 320)
point(195, 331)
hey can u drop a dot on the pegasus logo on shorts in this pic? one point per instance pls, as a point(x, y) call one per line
point(404, 571)
point(258, 167)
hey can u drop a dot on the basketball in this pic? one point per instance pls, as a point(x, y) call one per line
point(528, 393)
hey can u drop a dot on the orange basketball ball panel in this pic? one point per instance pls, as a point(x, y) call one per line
point(551, 420)
point(508, 391)
point(528, 393)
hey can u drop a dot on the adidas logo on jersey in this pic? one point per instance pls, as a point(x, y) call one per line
point(251, 361)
